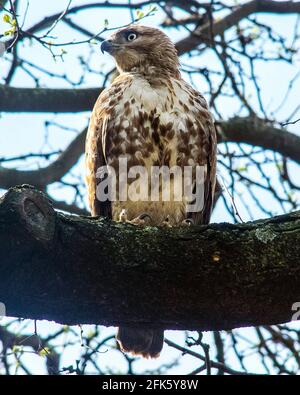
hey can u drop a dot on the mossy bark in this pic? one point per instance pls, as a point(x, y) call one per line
point(90, 270)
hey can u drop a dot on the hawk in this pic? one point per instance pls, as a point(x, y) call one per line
point(152, 117)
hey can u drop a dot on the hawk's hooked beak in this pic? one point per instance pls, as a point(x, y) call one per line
point(106, 46)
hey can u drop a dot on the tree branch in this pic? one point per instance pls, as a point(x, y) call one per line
point(88, 270)
point(203, 33)
point(11, 340)
point(47, 175)
point(47, 100)
point(70, 100)
point(46, 22)
point(257, 132)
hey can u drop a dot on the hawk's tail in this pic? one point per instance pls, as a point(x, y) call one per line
point(145, 342)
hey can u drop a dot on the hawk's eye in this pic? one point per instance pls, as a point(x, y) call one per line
point(131, 36)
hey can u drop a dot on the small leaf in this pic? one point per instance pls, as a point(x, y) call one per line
point(105, 23)
point(7, 18)
point(255, 30)
point(279, 166)
point(16, 349)
point(10, 32)
point(44, 352)
point(153, 8)
point(140, 14)
point(91, 334)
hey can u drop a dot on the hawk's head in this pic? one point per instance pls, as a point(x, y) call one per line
point(142, 47)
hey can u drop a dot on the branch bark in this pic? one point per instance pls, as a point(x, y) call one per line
point(90, 270)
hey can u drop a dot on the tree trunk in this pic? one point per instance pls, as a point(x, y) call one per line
point(91, 270)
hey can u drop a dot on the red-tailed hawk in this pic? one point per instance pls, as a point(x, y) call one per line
point(152, 117)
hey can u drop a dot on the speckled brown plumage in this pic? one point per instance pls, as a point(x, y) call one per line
point(151, 116)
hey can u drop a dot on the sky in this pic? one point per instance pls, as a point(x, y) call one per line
point(22, 133)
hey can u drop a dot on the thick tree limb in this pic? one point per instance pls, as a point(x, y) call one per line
point(83, 270)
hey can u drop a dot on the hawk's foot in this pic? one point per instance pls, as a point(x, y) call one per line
point(142, 220)
point(166, 223)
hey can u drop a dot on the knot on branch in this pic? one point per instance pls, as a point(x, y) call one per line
point(34, 210)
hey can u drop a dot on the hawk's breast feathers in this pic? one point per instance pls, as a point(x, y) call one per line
point(165, 122)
